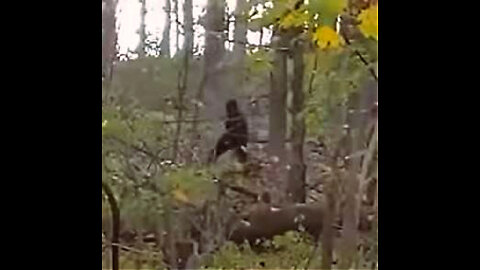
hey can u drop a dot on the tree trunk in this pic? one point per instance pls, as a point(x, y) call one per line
point(109, 52)
point(215, 93)
point(177, 27)
point(296, 176)
point(182, 88)
point(328, 232)
point(240, 31)
point(165, 44)
point(142, 31)
point(240, 41)
point(169, 235)
point(188, 27)
point(115, 224)
point(277, 103)
point(357, 123)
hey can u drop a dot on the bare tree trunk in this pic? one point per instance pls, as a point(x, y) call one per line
point(277, 103)
point(240, 41)
point(240, 31)
point(215, 92)
point(188, 27)
point(165, 44)
point(109, 52)
point(170, 235)
point(351, 212)
point(177, 27)
point(296, 176)
point(142, 31)
point(182, 87)
point(328, 233)
point(115, 224)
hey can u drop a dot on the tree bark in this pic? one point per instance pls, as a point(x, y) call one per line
point(109, 52)
point(277, 111)
point(278, 98)
point(188, 27)
point(240, 41)
point(240, 31)
point(115, 224)
point(296, 177)
point(182, 88)
point(357, 123)
point(328, 221)
point(169, 235)
point(215, 93)
point(177, 27)
point(165, 44)
point(142, 30)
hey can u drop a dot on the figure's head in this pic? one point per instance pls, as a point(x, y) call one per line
point(232, 107)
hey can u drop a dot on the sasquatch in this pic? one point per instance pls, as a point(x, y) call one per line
point(236, 134)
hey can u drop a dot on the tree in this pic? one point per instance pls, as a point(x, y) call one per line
point(278, 96)
point(115, 224)
point(165, 44)
point(240, 33)
point(177, 26)
point(188, 27)
point(215, 92)
point(296, 176)
point(142, 30)
point(109, 44)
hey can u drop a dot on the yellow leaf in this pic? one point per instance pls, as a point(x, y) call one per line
point(288, 21)
point(326, 38)
point(369, 22)
point(294, 18)
point(179, 195)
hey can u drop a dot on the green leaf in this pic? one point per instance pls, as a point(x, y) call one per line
point(327, 9)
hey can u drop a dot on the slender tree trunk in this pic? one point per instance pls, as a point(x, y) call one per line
point(170, 235)
point(177, 26)
point(109, 52)
point(351, 212)
point(277, 102)
point(216, 93)
point(240, 41)
point(328, 233)
point(240, 31)
point(142, 31)
point(115, 224)
point(188, 27)
point(296, 176)
point(182, 87)
point(165, 44)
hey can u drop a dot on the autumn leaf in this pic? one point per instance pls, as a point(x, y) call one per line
point(294, 18)
point(369, 22)
point(179, 195)
point(326, 38)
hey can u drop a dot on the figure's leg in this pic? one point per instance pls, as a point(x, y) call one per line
point(223, 145)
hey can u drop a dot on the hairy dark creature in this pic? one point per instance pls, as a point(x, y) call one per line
point(236, 135)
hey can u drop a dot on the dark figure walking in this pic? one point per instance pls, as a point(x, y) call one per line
point(235, 137)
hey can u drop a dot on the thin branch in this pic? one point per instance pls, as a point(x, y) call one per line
point(369, 154)
point(312, 77)
point(362, 59)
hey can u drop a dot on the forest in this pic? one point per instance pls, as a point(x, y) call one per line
point(241, 138)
